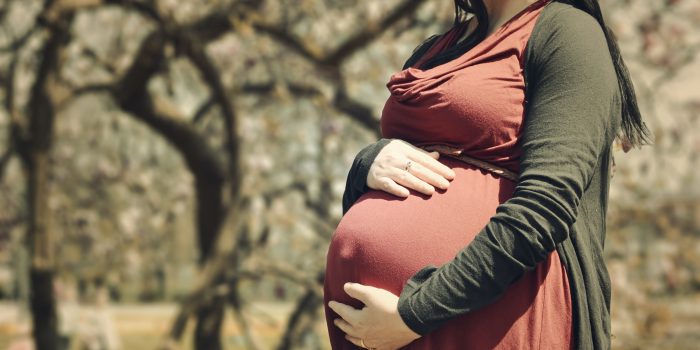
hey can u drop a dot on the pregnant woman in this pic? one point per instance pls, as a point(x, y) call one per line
point(435, 253)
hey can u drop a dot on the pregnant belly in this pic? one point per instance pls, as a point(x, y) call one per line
point(383, 240)
point(383, 235)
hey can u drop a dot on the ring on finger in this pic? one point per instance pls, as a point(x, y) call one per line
point(408, 165)
point(362, 343)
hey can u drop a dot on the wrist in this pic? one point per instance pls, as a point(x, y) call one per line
point(409, 318)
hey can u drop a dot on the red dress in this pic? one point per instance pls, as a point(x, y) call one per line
point(474, 102)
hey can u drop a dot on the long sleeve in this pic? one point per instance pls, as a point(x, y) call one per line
point(356, 183)
point(573, 103)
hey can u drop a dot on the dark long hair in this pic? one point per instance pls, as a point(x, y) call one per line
point(634, 131)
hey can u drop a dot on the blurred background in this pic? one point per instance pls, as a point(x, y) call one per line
point(171, 171)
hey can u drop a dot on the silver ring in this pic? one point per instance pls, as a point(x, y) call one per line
point(408, 165)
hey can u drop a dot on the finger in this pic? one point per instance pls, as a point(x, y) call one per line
point(421, 156)
point(428, 176)
point(345, 327)
point(434, 165)
point(358, 291)
point(347, 312)
point(354, 340)
point(390, 186)
point(406, 179)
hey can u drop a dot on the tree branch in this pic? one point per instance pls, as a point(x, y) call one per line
point(370, 32)
point(131, 95)
point(212, 77)
point(212, 27)
point(341, 101)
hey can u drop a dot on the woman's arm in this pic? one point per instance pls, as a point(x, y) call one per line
point(572, 114)
point(356, 183)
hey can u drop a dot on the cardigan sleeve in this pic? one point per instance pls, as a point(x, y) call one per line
point(356, 183)
point(573, 100)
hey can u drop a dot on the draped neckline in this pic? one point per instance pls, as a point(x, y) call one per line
point(454, 34)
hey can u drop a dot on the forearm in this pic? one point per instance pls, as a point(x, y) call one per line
point(480, 273)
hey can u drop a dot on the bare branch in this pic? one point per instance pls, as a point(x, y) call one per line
point(5, 159)
point(341, 101)
point(131, 95)
point(302, 319)
point(16, 132)
point(203, 110)
point(212, 27)
point(370, 32)
point(359, 112)
point(19, 42)
point(195, 51)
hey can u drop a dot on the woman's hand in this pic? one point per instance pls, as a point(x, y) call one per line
point(378, 325)
point(388, 171)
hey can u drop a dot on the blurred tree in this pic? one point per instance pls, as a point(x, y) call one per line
point(247, 114)
point(33, 138)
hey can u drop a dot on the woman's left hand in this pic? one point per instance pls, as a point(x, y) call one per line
point(378, 324)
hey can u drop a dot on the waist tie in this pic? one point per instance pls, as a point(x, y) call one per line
point(456, 153)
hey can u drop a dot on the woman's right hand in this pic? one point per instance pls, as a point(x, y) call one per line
point(387, 172)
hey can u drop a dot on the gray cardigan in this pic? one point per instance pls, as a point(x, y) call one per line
point(573, 112)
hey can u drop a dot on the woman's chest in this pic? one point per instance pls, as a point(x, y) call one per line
point(476, 107)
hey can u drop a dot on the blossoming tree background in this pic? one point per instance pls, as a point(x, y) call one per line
point(171, 171)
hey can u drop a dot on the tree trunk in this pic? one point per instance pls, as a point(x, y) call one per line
point(202, 161)
point(210, 213)
point(34, 150)
point(39, 235)
point(43, 307)
point(207, 334)
point(40, 240)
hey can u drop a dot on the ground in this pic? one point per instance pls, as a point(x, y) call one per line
point(142, 326)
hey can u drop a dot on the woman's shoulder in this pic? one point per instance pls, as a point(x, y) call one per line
point(568, 41)
point(561, 23)
point(562, 13)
